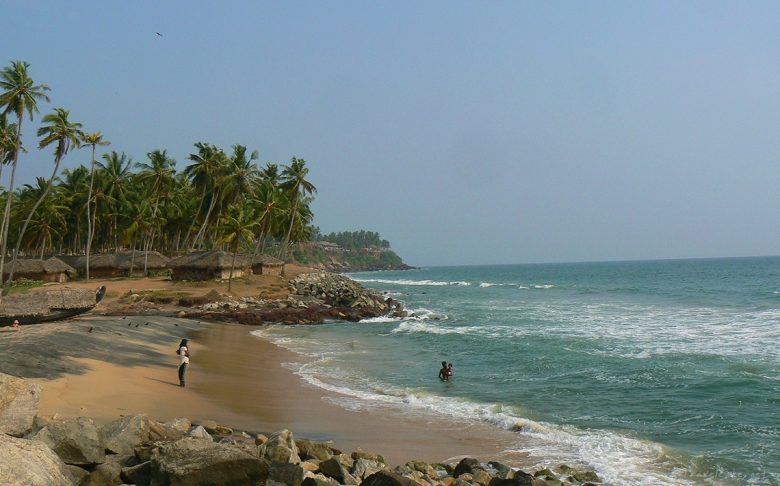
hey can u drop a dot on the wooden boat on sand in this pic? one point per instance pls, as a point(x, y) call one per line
point(48, 305)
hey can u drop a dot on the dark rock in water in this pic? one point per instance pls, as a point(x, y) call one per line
point(520, 479)
point(200, 462)
point(387, 478)
point(586, 476)
point(467, 465)
point(75, 441)
point(284, 473)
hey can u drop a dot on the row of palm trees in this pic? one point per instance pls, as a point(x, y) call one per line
point(220, 199)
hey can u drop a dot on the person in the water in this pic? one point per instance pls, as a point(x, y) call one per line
point(448, 372)
point(443, 371)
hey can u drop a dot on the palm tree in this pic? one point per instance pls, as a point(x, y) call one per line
point(268, 206)
point(236, 225)
point(20, 94)
point(65, 134)
point(158, 177)
point(93, 140)
point(116, 178)
point(294, 183)
point(204, 173)
point(73, 186)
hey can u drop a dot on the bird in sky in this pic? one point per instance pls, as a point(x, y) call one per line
point(159, 34)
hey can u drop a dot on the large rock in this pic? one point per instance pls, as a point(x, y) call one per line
point(333, 468)
point(138, 474)
point(284, 474)
point(362, 468)
point(18, 405)
point(387, 478)
point(467, 465)
point(32, 463)
point(77, 441)
point(308, 449)
point(196, 462)
point(107, 474)
point(520, 479)
point(340, 291)
point(123, 435)
point(280, 447)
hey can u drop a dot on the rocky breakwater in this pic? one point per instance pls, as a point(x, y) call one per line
point(313, 298)
point(139, 450)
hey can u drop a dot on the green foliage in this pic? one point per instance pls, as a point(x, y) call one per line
point(23, 285)
point(355, 239)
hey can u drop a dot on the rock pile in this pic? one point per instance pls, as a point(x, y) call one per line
point(314, 298)
point(139, 450)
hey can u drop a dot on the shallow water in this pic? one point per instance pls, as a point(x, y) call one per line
point(664, 372)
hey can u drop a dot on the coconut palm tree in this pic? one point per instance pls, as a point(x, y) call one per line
point(204, 174)
point(236, 225)
point(65, 134)
point(296, 186)
point(115, 175)
point(20, 94)
point(73, 187)
point(91, 140)
point(268, 207)
point(158, 177)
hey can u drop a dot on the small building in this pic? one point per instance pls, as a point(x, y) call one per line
point(106, 265)
point(267, 265)
point(208, 265)
point(50, 270)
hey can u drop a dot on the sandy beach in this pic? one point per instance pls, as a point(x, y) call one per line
point(107, 367)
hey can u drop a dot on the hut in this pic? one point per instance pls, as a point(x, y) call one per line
point(267, 265)
point(208, 265)
point(50, 270)
point(118, 264)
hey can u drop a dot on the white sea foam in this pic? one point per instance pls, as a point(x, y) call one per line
point(380, 319)
point(433, 283)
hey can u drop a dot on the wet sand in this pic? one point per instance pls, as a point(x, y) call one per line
point(234, 378)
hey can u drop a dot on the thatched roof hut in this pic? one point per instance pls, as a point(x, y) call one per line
point(116, 264)
point(267, 265)
point(207, 265)
point(50, 270)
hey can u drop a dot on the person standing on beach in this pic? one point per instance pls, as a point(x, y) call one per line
point(184, 355)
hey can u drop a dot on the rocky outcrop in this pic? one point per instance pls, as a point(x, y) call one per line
point(32, 463)
point(123, 435)
point(313, 299)
point(18, 405)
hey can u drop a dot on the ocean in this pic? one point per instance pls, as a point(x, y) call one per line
point(649, 372)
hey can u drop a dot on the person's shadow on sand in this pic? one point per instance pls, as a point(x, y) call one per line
point(162, 381)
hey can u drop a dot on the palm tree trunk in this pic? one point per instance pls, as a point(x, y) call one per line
point(132, 258)
point(89, 202)
point(7, 285)
point(9, 201)
point(202, 231)
point(289, 231)
point(192, 225)
point(233, 264)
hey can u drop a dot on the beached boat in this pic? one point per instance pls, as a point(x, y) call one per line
point(48, 305)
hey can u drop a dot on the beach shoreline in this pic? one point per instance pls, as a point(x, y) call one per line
point(127, 365)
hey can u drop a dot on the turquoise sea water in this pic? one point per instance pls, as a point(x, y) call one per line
point(655, 372)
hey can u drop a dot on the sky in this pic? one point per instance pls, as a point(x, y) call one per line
point(463, 132)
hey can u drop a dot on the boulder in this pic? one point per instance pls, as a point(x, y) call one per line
point(77, 441)
point(319, 480)
point(32, 463)
point(481, 477)
point(387, 478)
point(308, 449)
point(198, 432)
point(362, 468)
point(520, 479)
point(334, 468)
point(284, 474)
point(369, 455)
point(280, 447)
point(18, 405)
point(106, 474)
point(586, 476)
point(77, 474)
point(138, 474)
point(197, 462)
point(422, 467)
point(182, 424)
point(466, 465)
point(164, 432)
point(123, 435)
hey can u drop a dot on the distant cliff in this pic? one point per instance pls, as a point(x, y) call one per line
point(349, 252)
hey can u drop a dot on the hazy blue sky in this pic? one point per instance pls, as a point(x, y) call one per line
point(464, 132)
